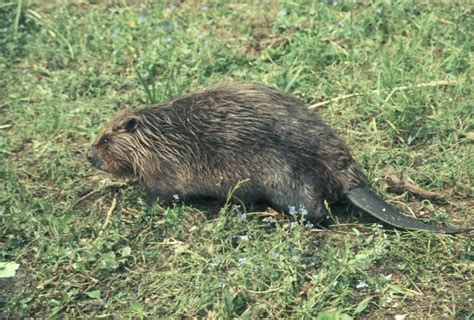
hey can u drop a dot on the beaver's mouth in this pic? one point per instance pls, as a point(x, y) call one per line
point(95, 160)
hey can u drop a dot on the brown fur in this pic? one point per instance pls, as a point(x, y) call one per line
point(203, 144)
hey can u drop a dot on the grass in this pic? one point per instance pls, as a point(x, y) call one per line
point(68, 66)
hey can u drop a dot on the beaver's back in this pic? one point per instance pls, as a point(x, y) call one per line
point(249, 128)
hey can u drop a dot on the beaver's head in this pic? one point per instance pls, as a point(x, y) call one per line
point(118, 147)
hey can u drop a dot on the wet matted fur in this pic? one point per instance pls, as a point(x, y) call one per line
point(202, 144)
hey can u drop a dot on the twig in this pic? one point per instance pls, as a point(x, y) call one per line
point(108, 216)
point(400, 183)
point(87, 195)
point(43, 284)
point(269, 213)
point(400, 88)
point(114, 186)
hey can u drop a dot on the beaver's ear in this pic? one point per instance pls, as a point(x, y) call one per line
point(131, 125)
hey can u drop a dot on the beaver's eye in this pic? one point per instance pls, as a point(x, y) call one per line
point(105, 140)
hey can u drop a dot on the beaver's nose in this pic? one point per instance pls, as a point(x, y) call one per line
point(93, 159)
point(90, 155)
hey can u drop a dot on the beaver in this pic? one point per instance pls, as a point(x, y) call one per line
point(203, 144)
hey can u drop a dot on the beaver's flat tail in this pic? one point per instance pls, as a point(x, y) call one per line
point(365, 199)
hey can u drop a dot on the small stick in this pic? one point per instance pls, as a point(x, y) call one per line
point(87, 195)
point(108, 216)
point(400, 88)
point(269, 213)
point(113, 186)
point(400, 183)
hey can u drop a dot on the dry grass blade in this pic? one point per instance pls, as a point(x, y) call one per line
point(400, 88)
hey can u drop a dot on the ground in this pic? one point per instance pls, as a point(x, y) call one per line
point(394, 80)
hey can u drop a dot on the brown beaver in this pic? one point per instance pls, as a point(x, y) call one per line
point(203, 144)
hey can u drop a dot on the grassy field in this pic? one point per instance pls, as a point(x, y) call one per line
point(401, 78)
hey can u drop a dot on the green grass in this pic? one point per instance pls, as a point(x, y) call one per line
point(66, 68)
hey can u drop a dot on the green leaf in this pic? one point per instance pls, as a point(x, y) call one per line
point(107, 260)
point(93, 294)
point(328, 315)
point(136, 307)
point(8, 269)
point(362, 305)
point(126, 251)
point(398, 290)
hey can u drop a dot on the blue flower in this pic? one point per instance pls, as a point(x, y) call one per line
point(303, 211)
point(292, 210)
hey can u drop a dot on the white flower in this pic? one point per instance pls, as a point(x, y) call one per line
point(361, 284)
point(388, 277)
